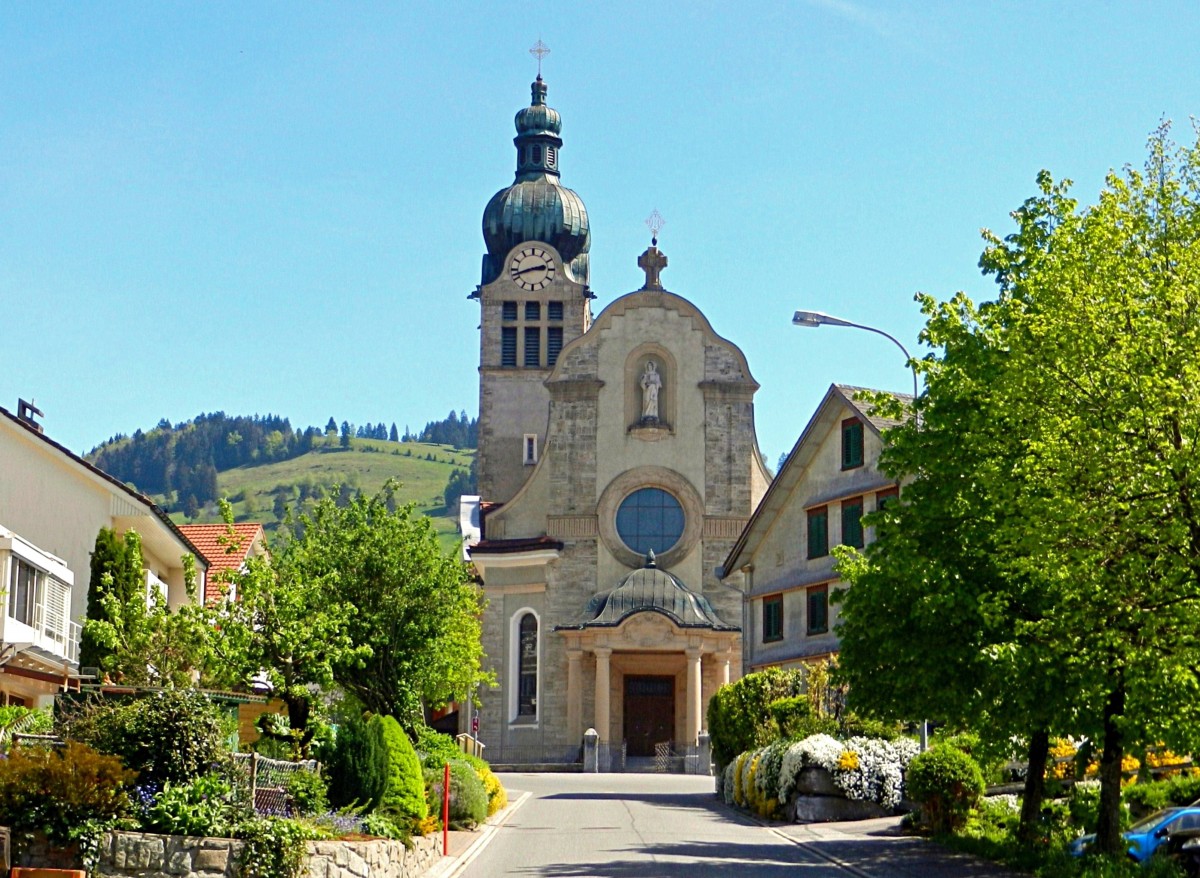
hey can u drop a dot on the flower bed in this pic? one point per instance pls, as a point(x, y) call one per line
point(820, 778)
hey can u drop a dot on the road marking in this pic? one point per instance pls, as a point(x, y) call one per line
point(449, 867)
point(829, 858)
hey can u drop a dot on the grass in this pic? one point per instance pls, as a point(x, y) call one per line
point(365, 466)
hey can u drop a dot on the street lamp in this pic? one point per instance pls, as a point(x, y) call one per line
point(816, 318)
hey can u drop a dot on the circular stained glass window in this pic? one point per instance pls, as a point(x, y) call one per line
point(650, 519)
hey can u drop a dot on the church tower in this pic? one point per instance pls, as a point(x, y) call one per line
point(533, 296)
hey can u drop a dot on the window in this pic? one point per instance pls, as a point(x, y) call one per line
point(818, 532)
point(508, 310)
point(852, 529)
point(554, 311)
point(852, 443)
point(533, 346)
point(533, 310)
point(772, 618)
point(818, 609)
point(527, 666)
point(650, 519)
point(553, 344)
point(23, 591)
point(551, 156)
point(529, 455)
point(508, 346)
point(537, 155)
point(884, 499)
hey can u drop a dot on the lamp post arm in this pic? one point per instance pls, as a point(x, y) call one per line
point(896, 342)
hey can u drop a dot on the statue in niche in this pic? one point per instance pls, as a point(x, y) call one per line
point(651, 384)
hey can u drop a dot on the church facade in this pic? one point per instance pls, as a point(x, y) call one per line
point(618, 464)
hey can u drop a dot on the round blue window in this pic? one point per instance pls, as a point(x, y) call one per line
point(650, 519)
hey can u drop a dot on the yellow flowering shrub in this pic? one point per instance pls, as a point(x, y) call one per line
point(497, 795)
point(739, 792)
point(1061, 749)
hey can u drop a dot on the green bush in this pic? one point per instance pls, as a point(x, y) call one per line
point(307, 793)
point(274, 847)
point(205, 806)
point(56, 790)
point(947, 784)
point(1145, 798)
point(404, 799)
point(468, 798)
point(739, 714)
point(357, 766)
point(34, 721)
point(173, 735)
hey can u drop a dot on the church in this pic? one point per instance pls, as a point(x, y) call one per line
point(617, 466)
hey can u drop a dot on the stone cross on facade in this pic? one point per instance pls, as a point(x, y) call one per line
point(653, 261)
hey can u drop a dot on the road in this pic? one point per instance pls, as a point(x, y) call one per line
point(672, 826)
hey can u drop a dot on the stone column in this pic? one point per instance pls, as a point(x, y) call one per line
point(574, 695)
point(693, 696)
point(603, 694)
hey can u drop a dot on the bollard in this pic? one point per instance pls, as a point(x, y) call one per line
point(446, 810)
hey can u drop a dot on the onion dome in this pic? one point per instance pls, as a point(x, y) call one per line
point(653, 590)
point(536, 207)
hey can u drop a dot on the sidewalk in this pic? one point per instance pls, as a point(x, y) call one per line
point(878, 849)
point(464, 844)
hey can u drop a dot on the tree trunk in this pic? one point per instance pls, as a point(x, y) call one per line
point(1035, 788)
point(1108, 824)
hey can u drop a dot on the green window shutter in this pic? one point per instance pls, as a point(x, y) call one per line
point(852, 529)
point(818, 609)
point(818, 533)
point(852, 443)
point(772, 618)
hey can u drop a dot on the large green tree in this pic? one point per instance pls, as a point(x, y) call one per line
point(1073, 582)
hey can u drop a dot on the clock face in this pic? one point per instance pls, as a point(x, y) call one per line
point(532, 268)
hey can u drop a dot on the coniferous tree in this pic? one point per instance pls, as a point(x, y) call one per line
point(394, 436)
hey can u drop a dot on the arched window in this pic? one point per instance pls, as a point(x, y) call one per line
point(527, 666)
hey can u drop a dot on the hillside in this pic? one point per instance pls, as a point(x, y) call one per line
point(260, 492)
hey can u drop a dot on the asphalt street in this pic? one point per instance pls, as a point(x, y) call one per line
point(672, 826)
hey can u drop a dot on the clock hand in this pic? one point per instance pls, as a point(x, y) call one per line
point(532, 268)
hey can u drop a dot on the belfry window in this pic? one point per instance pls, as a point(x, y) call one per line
point(527, 666)
point(537, 155)
point(551, 156)
point(508, 346)
point(554, 341)
point(533, 347)
point(508, 311)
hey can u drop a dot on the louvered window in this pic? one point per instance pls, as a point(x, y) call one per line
point(553, 344)
point(508, 310)
point(554, 311)
point(852, 443)
point(508, 346)
point(818, 609)
point(852, 529)
point(54, 619)
point(818, 532)
point(533, 310)
point(533, 347)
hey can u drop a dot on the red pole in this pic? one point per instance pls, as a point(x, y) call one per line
point(446, 810)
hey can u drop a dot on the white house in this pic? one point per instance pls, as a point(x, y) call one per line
point(53, 503)
point(782, 560)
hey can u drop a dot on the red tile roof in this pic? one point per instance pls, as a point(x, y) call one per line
point(222, 552)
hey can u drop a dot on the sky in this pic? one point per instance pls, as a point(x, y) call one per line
point(274, 207)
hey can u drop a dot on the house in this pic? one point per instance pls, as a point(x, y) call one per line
point(782, 560)
point(53, 503)
point(225, 552)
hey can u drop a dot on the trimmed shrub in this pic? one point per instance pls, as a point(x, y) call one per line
point(58, 791)
point(173, 735)
point(468, 798)
point(947, 784)
point(1145, 798)
point(739, 714)
point(357, 766)
point(404, 799)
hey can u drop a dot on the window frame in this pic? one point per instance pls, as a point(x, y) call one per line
point(529, 449)
point(525, 710)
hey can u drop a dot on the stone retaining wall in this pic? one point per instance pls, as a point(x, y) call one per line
point(145, 855)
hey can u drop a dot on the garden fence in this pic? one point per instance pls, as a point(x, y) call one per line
point(265, 781)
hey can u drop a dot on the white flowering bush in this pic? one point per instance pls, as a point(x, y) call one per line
point(819, 750)
point(728, 782)
point(877, 772)
point(865, 769)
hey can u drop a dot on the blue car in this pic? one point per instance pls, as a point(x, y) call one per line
point(1147, 834)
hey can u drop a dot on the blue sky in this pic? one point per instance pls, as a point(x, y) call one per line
point(275, 207)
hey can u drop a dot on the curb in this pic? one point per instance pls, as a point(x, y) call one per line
point(451, 865)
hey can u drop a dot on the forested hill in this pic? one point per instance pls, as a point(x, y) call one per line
point(180, 462)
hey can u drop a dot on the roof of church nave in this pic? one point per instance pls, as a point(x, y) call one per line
point(536, 207)
point(649, 589)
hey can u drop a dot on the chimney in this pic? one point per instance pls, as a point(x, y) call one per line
point(27, 412)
